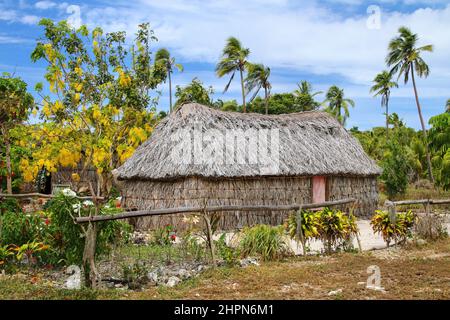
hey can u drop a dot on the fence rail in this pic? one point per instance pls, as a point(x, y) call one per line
point(422, 201)
point(159, 212)
point(42, 195)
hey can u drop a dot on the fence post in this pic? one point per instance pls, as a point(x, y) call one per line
point(209, 235)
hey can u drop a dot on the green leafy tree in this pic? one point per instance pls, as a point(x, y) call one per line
point(15, 105)
point(99, 108)
point(168, 63)
point(305, 96)
point(257, 78)
point(234, 58)
point(440, 145)
point(395, 169)
point(194, 92)
point(404, 58)
point(382, 87)
point(336, 103)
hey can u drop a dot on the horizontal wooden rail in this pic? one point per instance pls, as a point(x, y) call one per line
point(423, 201)
point(42, 195)
point(159, 212)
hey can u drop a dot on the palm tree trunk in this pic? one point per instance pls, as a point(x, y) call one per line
point(8, 160)
point(387, 118)
point(170, 93)
point(430, 172)
point(243, 92)
point(267, 100)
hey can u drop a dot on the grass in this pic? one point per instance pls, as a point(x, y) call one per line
point(408, 273)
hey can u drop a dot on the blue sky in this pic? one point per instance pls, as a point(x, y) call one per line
point(325, 42)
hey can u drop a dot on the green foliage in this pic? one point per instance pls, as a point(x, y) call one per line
point(263, 240)
point(280, 103)
point(9, 205)
point(395, 169)
point(337, 105)
point(396, 228)
point(164, 236)
point(228, 254)
point(335, 228)
point(18, 228)
point(135, 274)
point(440, 145)
point(194, 92)
point(15, 101)
point(310, 222)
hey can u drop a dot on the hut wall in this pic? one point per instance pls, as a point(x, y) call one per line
point(192, 191)
point(364, 189)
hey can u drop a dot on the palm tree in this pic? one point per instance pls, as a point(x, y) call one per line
point(306, 96)
point(336, 102)
point(257, 78)
point(403, 58)
point(234, 57)
point(163, 58)
point(382, 87)
point(447, 106)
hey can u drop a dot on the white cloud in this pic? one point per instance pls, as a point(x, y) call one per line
point(29, 19)
point(45, 5)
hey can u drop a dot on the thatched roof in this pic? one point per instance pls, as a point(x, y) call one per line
point(310, 143)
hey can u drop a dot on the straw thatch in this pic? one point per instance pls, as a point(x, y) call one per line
point(310, 144)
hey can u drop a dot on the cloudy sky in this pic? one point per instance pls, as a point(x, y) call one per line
point(328, 42)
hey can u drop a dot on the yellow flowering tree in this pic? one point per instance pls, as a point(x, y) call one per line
point(98, 108)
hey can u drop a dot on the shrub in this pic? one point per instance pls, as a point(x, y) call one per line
point(395, 170)
point(164, 236)
point(265, 241)
point(335, 228)
point(310, 223)
point(228, 254)
point(9, 205)
point(398, 229)
point(430, 227)
point(19, 228)
point(135, 274)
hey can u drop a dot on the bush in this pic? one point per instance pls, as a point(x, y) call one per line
point(430, 227)
point(265, 241)
point(398, 229)
point(310, 223)
point(228, 254)
point(164, 236)
point(335, 228)
point(395, 170)
point(9, 205)
point(19, 228)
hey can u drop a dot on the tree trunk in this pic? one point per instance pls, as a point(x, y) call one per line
point(387, 118)
point(243, 92)
point(425, 136)
point(8, 160)
point(170, 93)
point(267, 100)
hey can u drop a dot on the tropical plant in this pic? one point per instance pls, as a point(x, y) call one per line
point(305, 96)
point(335, 228)
point(234, 58)
point(163, 58)
point(194, 92)
point(336, 103)
point(30, 251)
point(263, 240)
point(257, 78)
point(99, 109)
point(15, 106)
point(309, 221)
point(404, 58)
point(382, 87)
point(440, 145)
point(393, 227)
point(395, 166)
point(6, 252)
point(228, 254)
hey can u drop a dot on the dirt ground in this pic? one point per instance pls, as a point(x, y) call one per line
point(406, 273)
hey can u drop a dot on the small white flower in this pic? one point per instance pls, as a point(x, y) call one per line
point(119, 198)
point(76, 207)
point(88, 203)
point(68, 192)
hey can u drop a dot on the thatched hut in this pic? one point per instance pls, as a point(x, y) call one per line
point(227, 158)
